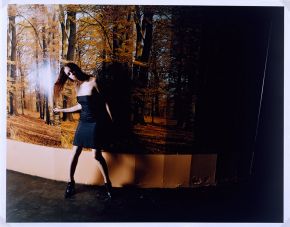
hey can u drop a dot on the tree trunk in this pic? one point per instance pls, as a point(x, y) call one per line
point(64, 105)
point(13, 46)
point(38, 94)
point(115, 42)
point(47, 120)
point(139, 33)
point(144, 29)
point(71, 22)
point(53, 63)
point(177, 68)
point(22, 88)
point(37, 102)
point(156, 89)
point(68, 31)
point(178, 104)
point(148, 27)
point(152, 110)
point(44, 45)
point(45, 41)
point(128, 35)
point(42, 106)
point(12, 99)
point(63, 33)
point(70, 116)
point(71, 30)
point(23, 98)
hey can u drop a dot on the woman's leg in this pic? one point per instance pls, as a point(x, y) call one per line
point(70, 188)
point(76, 151)
point(102, 165)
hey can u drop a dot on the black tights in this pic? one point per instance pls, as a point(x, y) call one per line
point(101, 162)
point(102, 165)
point(77, 151)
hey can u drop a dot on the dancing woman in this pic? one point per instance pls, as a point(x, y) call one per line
point(95, 116)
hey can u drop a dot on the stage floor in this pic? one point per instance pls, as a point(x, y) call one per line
point(35, 199)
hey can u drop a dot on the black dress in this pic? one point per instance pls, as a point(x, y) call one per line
point(94, 124)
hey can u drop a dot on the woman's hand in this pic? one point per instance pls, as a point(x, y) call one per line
point(57, 110)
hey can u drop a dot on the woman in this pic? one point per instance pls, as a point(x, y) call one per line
point(94, 118)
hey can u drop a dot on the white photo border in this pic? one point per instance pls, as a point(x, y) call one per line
point(3, 98)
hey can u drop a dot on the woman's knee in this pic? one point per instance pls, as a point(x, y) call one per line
point(98, 155)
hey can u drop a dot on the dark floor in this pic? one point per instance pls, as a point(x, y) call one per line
point(34, 199)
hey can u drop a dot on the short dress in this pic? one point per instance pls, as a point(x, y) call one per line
point(94, 123)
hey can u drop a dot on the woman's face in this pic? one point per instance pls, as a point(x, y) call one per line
point(70, 74)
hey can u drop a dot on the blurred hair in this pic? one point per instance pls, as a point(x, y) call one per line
point(62, 77)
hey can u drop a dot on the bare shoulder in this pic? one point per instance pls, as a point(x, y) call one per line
point(94, 83)
point(93, 79)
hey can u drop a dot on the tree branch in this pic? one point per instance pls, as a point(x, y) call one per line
point(100, 24)
point(36, 33)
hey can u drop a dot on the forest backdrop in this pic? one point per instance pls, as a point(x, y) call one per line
point(145, 58)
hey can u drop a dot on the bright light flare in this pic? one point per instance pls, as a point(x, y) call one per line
point(43, 76)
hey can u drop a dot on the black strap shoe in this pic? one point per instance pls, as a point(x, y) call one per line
point(70, 190)
point(108, 187)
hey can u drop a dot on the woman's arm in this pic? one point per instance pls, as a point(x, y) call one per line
point(97, 88)
point(68, 110)
point(109, 112)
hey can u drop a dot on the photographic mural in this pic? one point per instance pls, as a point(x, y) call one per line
point(178, 79)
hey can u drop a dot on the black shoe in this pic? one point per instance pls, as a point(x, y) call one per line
point(108, 187)
point(70, 189)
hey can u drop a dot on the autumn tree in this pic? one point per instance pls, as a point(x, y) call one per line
point(12, 59)
point(144, 30)
point(67, 20)
point(34, 35)
point(184, 64)
point(159, 64)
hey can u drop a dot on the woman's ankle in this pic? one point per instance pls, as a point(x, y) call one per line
point(108, 182)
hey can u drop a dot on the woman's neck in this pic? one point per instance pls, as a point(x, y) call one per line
point(79, 83)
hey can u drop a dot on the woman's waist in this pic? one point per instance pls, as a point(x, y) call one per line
point(91, 116)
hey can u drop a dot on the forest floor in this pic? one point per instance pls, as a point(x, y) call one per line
point(158, 137)
point(31, 129)
point(162, 137)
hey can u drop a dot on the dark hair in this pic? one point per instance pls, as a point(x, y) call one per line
point(62, 77)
